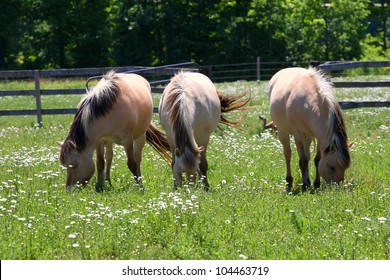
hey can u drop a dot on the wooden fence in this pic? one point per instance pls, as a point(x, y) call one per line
point(343, 65)
point(160, 75)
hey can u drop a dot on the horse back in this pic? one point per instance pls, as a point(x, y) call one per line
point(206, 103)
point(132, 112)
point(199, 103)
point(295, 100)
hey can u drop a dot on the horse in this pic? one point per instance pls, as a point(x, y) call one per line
point(303, 104)
point(190, 109)
point(117, 110)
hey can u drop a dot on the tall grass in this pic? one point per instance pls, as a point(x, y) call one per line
point(246, 214)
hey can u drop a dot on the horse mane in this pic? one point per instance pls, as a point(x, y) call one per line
point(335, 127)
point(94, 105)
point(340, 138)
point(179, 113)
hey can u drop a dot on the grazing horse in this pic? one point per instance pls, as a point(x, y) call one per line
point(190, 110)
point(302, 104)
point(118, 110)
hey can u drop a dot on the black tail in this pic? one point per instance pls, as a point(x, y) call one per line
point(233, 103)
point(158, 140)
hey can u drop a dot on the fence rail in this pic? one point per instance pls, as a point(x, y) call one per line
point(96, 73)
point(160, 75)
point(361, 84)
point(343, 65)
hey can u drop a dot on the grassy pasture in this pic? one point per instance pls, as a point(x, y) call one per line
point(246, 214)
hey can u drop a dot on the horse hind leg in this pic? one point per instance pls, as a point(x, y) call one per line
point(134, 154)
point(284, 138)
point(138, 146)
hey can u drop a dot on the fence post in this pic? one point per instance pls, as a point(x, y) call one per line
point(37, 74)
point(258, 69)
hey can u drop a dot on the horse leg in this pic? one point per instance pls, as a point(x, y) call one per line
point(138, 146)
point(131, 163)
point(203, 167)
point(100, 167)
point(284, 138)
point(191, 178)
point(108, 155)
point(303, 147)
point(177, 175)
point(316, 162)
point(269, 125)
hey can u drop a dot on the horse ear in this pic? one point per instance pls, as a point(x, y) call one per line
point(72, 145)
point(177, 152)
point(330, 149)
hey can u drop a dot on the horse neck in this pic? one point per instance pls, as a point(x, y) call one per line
point(87, 153)
point(83, 134)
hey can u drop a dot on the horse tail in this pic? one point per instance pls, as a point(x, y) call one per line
point(233, 103)
point(180, 113)
point(158, 140)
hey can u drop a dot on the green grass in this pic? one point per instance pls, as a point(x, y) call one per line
point(246, 214)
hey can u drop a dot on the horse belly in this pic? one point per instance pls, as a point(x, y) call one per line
point(137, 126)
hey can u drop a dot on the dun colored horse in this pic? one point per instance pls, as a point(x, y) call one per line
point(190, 110)
point(302, 104)
point(118, 110)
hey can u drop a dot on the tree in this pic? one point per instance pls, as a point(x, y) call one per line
point(380, 12)
point(267, 18)
point(137, 32)
point(324, 31)
point(9, 13)
point(87, 33)
point(56, 33)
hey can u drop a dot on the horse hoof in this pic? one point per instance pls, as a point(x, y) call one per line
point(99, 189)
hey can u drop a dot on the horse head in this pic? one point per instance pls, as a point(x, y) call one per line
point(80, 167)
point(187, 162)
point(334, 161)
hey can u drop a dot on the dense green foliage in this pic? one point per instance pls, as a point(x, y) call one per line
point(246, 214)
point(87, 33)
